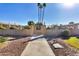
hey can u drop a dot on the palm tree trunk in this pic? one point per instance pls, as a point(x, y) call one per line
point(43, 15)
point(38, 14)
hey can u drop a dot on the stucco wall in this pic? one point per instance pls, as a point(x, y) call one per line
point(15, 32)
point(58, 32)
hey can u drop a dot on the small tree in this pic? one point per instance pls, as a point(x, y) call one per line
point(71, 22)
point(30, 23)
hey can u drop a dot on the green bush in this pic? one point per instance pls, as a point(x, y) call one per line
point(2, 39)
point(65, 34)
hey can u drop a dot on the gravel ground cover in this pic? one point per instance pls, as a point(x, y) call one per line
point(66, 51)
point(14, 48)
point(4, 44)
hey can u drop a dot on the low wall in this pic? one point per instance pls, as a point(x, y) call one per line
point(28, 32)
point(54, 32)
point(58, 32)
point(14, 32)
point(75, 32)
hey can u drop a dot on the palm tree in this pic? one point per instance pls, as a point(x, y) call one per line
point(44, 5)
point(41, 9)
point(38, 11)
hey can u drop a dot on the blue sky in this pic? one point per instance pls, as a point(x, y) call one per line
point(21, 13)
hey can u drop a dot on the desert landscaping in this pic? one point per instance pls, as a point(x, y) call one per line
point(58, 46)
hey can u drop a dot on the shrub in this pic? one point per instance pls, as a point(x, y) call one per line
point(65, 34)
point(48, 28)
point(12, 28)
point(2, 39)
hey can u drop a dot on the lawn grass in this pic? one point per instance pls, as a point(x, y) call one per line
point(73, 41)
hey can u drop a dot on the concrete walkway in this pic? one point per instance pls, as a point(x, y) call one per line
point(39, 47)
